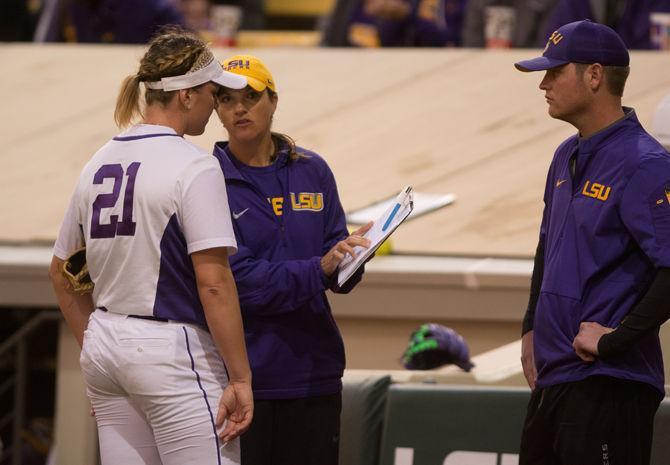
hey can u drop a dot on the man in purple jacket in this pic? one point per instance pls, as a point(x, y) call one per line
point(601, 282)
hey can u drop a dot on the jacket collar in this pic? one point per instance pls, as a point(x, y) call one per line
point(230, 167)
point(596, 141)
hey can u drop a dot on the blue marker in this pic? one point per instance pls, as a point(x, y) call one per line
point(390, 218)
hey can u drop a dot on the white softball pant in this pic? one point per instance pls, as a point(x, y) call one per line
point(155, 388)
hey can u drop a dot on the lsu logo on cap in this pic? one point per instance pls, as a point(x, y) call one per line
point(555, 38)
point(236, 64)
point(257, 74)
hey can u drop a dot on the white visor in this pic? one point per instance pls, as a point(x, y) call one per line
point(212, 72)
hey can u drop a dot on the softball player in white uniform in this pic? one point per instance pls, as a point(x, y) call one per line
point(147, 207)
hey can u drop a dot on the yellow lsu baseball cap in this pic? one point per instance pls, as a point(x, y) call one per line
point(257, 74)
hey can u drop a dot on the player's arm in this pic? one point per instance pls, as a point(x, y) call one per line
point(648, 315)
point(75, 308)
point(535, 287)
point(527, 353)
point(527, 333)
point(209, 236)
point(267, 287)
point(218, 295)
point(646, 215)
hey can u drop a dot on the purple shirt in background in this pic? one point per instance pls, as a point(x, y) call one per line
point(116, 21)
point(431, 23)
point(606, 230)
point(633, 24)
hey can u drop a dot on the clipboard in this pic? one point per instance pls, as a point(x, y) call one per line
point(381, 229)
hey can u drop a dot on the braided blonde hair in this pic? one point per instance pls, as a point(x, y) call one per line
point(173, 52)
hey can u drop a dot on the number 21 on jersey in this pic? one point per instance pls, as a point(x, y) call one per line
point(125, 227)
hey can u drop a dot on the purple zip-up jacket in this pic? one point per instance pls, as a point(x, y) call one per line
point(606, 230)
point(294, 346)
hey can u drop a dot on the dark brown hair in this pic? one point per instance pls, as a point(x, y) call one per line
point(615, 77)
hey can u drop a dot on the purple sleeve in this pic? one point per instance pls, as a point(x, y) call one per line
point(645, 209)
point(538, 262)
point(266, 287)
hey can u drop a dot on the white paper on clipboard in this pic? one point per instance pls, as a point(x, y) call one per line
point(423, 204)
point(381, 229)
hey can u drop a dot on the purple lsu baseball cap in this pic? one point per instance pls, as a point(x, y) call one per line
point(580, 42)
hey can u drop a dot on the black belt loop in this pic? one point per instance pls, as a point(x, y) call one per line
point(141, 317)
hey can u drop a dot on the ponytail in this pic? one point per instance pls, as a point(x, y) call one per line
point(128, 101)
point(282, 140)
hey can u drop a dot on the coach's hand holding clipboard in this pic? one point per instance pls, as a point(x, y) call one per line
point(381, 229)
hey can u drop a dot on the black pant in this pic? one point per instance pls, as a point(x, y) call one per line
point(597, 421)
point(294, 432)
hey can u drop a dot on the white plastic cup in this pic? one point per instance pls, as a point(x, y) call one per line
point(225, 23)
point(499, 23)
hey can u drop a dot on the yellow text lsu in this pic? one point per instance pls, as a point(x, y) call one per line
point(305, 201)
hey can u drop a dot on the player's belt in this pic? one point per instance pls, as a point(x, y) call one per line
point(142, 317)
point(149, 317)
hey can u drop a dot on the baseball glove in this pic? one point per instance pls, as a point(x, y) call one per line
point(75, 271)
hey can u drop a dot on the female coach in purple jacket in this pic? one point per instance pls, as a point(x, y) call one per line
point(291, 235)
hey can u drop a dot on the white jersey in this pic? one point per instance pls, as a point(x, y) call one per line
point(144, 202)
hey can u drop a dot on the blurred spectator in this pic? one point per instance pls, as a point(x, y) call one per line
point(107, 21)
point(393, 23)
point(630, 18)
point(253, 17)
point(660, 124)
point(196, 14)
point(18, 19)
point(506, 23)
